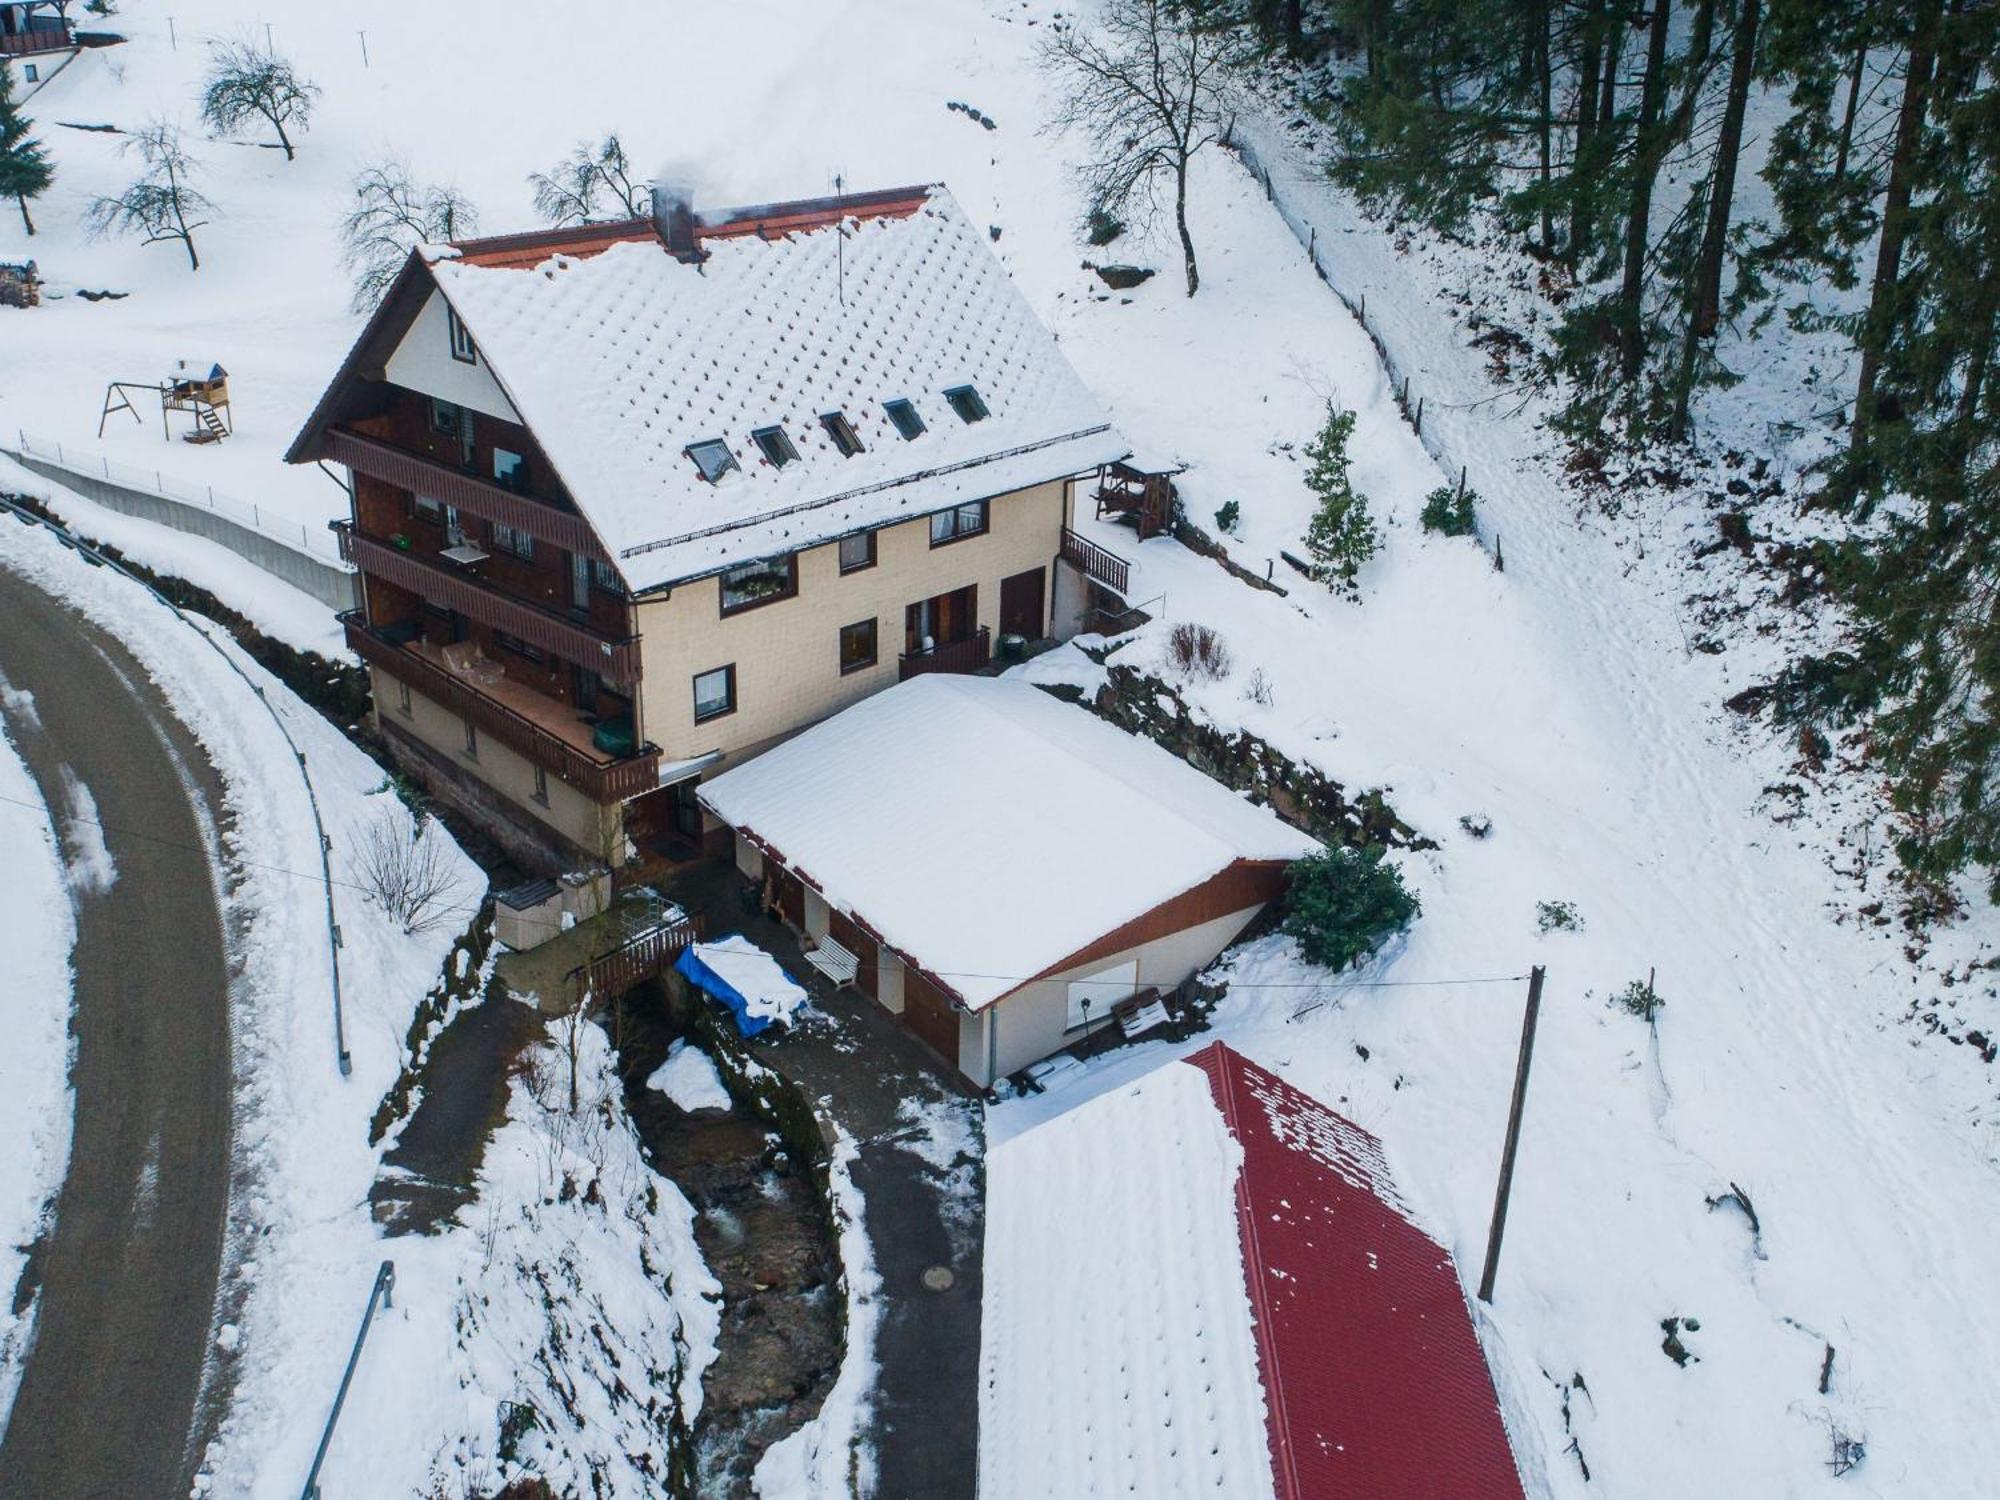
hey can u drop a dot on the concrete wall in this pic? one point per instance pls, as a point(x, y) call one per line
point(330, 582)
point(423, 362)
point(787, 653)
point(496, 784)
point(1032, 1022)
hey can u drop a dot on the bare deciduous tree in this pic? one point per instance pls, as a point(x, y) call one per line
point(163, 205)
point(575, 190)
point(410, 873)
point(246, 83)
point(1149, 90)
point(390, 216)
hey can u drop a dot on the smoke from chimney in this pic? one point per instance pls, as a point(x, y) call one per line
point(675, 187)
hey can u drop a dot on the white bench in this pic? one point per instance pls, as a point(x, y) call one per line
point(834, 961)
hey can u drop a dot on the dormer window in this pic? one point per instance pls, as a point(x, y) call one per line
point(462, 348)
point(712, 457)
point(904, 415)
point(842, 432)
point(964, 400)
point(775, 446)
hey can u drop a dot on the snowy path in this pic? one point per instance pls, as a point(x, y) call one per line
point(115, 1396)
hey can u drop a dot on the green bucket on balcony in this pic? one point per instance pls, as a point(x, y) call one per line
point(614, 736)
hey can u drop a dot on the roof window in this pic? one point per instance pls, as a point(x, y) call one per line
point(775, 446)
point(965, 401)
point(842, 432)
point(712, 457)
point(904, 416)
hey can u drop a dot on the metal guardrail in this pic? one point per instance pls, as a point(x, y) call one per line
point(158, 484)
point(69, 539)
point(383, 1290)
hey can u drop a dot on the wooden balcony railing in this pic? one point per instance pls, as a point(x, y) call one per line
point(601, 780)
point(42, 35)
point(968, 655)
point(423, 475)
point(1093, 561)
point(450, 587)
point(635, 960)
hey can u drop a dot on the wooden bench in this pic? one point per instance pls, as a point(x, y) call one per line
point(834, 961)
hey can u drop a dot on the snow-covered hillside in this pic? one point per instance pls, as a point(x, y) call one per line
point(1559, 698)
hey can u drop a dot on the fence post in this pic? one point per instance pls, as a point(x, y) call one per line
point(1420, 416)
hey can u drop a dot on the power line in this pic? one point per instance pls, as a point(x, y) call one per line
point(1332, 980)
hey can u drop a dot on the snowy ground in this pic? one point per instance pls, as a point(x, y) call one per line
point(37, 932)
point(1562, 698)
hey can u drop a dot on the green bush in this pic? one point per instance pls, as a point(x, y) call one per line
point(1341, 535)
point(1102, 227)
point(1557, 916)
point(1343, 903)
point(1449, 512)
point(1227, 516)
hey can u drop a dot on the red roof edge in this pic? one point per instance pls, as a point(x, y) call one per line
point(1222, 1064)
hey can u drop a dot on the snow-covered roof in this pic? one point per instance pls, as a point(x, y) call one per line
point(1205, 1284)
point(988, 831)
point(621, 358)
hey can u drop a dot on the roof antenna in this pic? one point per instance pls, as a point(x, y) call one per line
point(840, 246)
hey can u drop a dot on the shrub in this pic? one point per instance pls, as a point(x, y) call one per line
point(1102, 226)
point(1227, 515)
point(1341, 535)
point(1557, 916)
point(1478, 825)
point(1342, 904)
point(1258, 689)
point(1640, 999)
point(1448, 511)
point(1198, 651)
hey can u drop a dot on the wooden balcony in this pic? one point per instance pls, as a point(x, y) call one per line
point(44, 34)
point(544, 731)
point(1093, 561)
point(451, 587)
point(968, 655)
point(422, 475)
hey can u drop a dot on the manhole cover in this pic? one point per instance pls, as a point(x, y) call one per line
point(939, 1278)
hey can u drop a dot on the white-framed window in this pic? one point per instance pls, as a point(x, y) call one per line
point(32, 72)
point(1091, 997)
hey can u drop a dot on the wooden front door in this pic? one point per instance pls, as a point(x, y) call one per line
point(1021, 604)
point(930, 1016)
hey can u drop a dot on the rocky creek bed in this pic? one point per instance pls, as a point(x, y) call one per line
point(762, 1227)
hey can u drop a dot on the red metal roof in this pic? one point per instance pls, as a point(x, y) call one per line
point(1375, 1383)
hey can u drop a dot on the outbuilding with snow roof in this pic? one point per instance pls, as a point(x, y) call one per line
point(1005, 867)
point(1204, 1285)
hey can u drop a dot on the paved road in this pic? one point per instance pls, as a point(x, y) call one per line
point(108, 1403)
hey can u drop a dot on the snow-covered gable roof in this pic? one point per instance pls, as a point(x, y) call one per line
point(988, 831)
point(1113, 1352)
point(621, 358)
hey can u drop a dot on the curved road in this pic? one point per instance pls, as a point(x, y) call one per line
point(108, 1403)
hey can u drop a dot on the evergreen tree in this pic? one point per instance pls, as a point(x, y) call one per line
point(1341, 535)
point(1342, 904)
point(25, 170)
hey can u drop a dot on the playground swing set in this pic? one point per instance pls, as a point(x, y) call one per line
point(197, 386)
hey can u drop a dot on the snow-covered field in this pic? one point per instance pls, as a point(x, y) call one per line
point(37, 931)
point(1560, 698)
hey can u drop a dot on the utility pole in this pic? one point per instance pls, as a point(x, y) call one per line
point(1513, 1135)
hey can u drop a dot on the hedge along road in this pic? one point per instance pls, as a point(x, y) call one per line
point(111, 1402)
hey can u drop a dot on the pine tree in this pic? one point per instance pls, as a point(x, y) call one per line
point(1341, 535)
point(25, 170)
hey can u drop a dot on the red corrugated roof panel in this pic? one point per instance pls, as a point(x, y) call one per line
point(1375, 1383)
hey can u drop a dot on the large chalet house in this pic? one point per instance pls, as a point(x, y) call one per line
point(632, 502)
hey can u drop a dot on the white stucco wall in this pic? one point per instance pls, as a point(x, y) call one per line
point(423, 362)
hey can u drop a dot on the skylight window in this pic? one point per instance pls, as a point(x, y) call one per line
point(904, 416)
point(775, 446)
point(712, 457)
point(964, 400)
point(842, 432)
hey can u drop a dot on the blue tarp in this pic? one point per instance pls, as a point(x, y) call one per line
point(703, 978)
